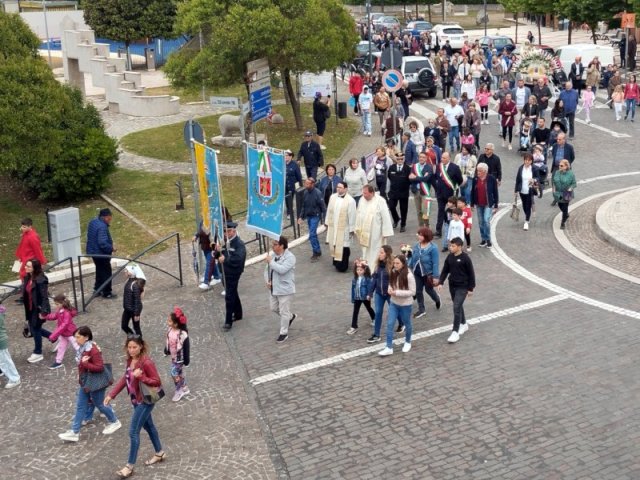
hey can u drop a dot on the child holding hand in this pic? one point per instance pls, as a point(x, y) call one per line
point(64, 330)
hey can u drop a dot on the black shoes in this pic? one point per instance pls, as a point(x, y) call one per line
point(227, 326)
point(282, 338)
point(395, 224)
point(403, 229)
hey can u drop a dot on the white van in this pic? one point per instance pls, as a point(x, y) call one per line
point(587, 51)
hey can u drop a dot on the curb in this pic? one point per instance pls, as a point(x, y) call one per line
point(607, 232)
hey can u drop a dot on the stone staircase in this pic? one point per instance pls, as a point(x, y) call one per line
point(123, 89)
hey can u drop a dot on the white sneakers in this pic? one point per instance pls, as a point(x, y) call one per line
point(215, 281)
point(351, 331)
point(453, 338)
point(385, 352)
point(69, 436)
point(112, 427)
point(406, 347)
point(463, 328)
point(13, 384)
point(203, 286)
point(35, 357)
point(526, 226)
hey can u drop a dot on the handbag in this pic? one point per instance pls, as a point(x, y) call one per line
point(94, 381)
point(151, 395)
point(428, 280)
point(567, 196)
point(17, 265)
point(515, 210)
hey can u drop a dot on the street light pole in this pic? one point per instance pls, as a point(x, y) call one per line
point(369, 35)
point(46, 31)
point(486, 17)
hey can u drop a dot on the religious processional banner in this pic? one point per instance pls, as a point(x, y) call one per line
point(199, 150)
point(214, 193)
point(266, 189)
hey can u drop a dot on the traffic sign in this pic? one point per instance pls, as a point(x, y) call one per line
point(392, 80)
point(260, 103)
point(194, 131)
point(225, 102)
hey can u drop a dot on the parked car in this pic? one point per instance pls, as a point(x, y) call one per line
point(416, 28)
point(362, 49)
point(374, 17)
point(499, 42)
point(420, 73)
point(452, 32)
point(390, 23)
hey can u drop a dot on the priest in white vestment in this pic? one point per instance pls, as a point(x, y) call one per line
point(373, 225)
point(341, 224)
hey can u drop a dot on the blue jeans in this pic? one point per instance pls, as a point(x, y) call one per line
point(142, 419)
point(484, 221)
point(379, 301)
point(366, 121)
point(445, 234)
point(313, 223)
point(401, 314)
point(83, 407)
point(454, 134)
point(631, 105)
point(465, 191)
point(207, 267)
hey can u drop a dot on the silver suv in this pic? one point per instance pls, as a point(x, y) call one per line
point(420, 73)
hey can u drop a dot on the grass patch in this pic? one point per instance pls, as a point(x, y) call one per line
point(150, 197)
point(167, 143)
point(193, 95)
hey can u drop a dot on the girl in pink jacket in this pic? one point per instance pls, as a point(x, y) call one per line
point(65, 329)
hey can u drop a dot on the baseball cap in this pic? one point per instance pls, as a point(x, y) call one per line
point(308, 133)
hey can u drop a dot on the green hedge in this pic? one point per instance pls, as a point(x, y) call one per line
point(410, 4)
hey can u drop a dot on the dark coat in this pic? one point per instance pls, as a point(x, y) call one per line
point(312, 154)
point(494, 164)
point(410, 153)
point(293, 175)
point(399, 182)
point(569, 153)
point(454, 172)
point(492, 192)
point(98, 238)
point(312, 204)
point(132, 297)
point(38, 301)
point(536, 177)
point(235, 255)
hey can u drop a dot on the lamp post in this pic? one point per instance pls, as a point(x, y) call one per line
point(46, 31)
point(368, 5)
point(486, 17)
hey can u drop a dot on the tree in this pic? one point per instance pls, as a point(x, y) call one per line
point(294, 35)
point(539, 8)
point(514, 6)
point(49, 140)
point(590, 12)
point(130, 20)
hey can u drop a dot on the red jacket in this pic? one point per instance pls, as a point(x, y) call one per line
point(508, 120)
point(356, 82)
point(28, 248)
point(95, 363)
point(631, 91)
point(149, 377)
point(65, 326)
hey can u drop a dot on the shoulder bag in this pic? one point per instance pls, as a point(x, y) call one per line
point(151, 395)
point(94, 381)
point(515, 210)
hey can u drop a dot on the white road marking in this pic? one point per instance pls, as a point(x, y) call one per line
point(287, 372)
point(569, 247)
point(520, 270)
point(613, 133)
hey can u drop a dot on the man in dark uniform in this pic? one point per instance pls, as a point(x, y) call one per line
point(232, 258)
point(311, 152)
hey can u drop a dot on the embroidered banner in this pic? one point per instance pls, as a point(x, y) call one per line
point(202, 184)
point(214, 193)
point(266, 189)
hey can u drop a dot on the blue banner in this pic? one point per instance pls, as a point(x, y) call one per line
point(265, 188)
point(213, 193)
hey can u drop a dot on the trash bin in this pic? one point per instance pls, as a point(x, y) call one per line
point(342, 109)
point(150, 56)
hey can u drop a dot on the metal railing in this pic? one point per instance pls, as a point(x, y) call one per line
point(135, 259)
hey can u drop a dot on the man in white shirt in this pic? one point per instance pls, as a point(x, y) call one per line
point(520, 95)
point(454, 113)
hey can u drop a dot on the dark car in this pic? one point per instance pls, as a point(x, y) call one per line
point(499, 42)
point(415, 29)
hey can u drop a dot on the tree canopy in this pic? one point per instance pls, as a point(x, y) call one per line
point(50, 140)
point(294, 35)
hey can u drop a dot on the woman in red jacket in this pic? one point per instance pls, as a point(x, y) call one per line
point(508, 112)
point(356, 83)
point(89, 360)
point(631, 97)
point(140, 369)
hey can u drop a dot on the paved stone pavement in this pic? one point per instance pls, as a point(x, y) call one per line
point(542, 385)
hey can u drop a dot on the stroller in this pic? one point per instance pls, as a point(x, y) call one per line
point(539, 152)
point(559, 78)
point(525, 136)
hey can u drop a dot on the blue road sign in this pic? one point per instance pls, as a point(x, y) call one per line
point(260, 104)
point(192, 131)
point(392, 80)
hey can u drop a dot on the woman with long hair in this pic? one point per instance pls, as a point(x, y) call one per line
point(140, 370)
point(402, 288)
point(378, 288)
point(508, 111)
point(631, 97)
point(35, 292)
point(527, 186)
